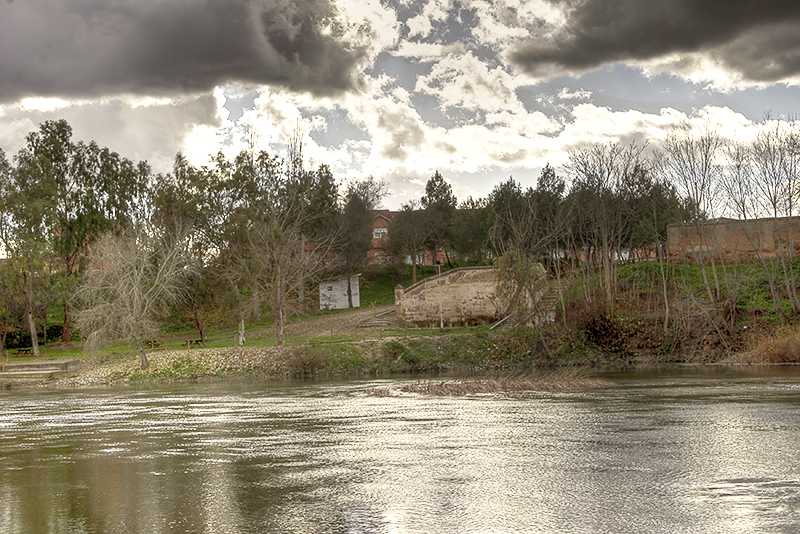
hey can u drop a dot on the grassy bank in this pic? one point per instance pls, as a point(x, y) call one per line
point(588, 332)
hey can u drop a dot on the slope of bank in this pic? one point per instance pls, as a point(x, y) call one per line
point(637, 330)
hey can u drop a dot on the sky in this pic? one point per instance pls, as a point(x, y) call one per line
point(477, 90)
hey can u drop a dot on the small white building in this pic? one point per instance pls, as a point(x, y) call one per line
point(333, 293)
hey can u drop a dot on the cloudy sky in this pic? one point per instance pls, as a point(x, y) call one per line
point(479, 90)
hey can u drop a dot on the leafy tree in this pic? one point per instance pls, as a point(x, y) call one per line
point(439, 203)
point(409, 234)
point(355, 233)
point(470, 230)
point(180, 207)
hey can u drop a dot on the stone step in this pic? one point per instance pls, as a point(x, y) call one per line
point(44, 366)
point(383, 320)
point(30, 375)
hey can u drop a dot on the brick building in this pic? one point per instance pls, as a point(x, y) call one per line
point(378, 254)
point(735, 240)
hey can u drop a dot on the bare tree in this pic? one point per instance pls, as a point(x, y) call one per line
point(526, 228)
point(601, 173)
point(776, 160)
point(693, 165)
point(129, 281)
point(743, 200)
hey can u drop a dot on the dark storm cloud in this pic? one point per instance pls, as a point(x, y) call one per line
point(759, 41)
point(77, 48)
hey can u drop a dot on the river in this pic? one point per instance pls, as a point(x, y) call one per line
point(700, 452)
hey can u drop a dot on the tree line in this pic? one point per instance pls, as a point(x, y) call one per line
point(613, 204)
point(116, 247)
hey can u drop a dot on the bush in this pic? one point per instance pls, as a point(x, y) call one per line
point(605, 332)
point(394, 350)
point(306, 362)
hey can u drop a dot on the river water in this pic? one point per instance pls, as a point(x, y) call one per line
point(711, 452)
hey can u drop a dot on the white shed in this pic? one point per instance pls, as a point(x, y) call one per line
point(333, 293)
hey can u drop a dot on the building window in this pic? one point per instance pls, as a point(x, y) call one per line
point(380, 233)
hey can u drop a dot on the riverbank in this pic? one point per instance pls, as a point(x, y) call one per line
point(588, 334)
point(478, 353)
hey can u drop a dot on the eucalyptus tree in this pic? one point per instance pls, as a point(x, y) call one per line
point(8, 282)
point(69, 194)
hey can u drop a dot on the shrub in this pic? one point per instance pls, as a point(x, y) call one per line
point(605, 332)
point(305, 362)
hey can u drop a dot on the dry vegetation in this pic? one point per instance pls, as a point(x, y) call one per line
point(557, 380)
point(782, 348)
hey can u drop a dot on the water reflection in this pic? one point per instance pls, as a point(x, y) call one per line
point(699, 453)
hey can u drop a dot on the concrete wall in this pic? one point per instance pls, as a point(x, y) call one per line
point(467, 295)
point(734, 241)
point(333, 294)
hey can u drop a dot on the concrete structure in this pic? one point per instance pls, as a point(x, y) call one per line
point(463, 296)
point(333, 294)
point(733, 240)
point(469, 296)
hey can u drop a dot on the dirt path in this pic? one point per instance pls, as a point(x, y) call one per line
point(344, 322)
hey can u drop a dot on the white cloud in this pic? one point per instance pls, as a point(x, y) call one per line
point(507, 21)
point(428, 51)
point(466, 82)
point(566, 94)
point(376, 22)
point(43, 104)
point(419, 26)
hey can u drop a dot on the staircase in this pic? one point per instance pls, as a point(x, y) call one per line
point(382, 320)
point(545, 309)
point(38, 370)
point(553, 295)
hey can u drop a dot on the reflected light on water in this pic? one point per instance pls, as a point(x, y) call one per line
point(663, 454)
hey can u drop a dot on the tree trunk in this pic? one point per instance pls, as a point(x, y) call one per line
point(241, 339)
point(142, 355)
point(279, 322)
point(349, 293)
point(65, 333)
point(279, 305)
point(29, 315)
point(198, 322)
point(301, 288)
